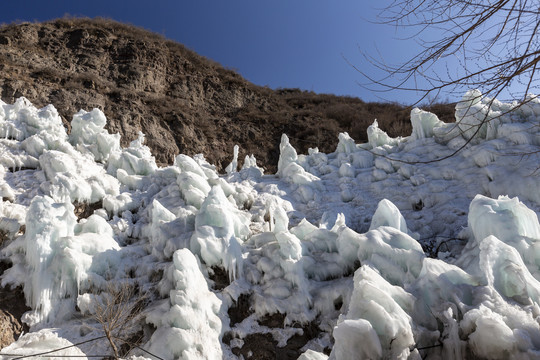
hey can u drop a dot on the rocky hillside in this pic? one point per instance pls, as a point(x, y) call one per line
point(183, 102)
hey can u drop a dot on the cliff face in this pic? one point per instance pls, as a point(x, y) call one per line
point(183, 102)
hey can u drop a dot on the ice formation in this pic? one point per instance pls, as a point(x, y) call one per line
point(42, 342)
point(189, 326)
point(88, 134)
point(385, 253)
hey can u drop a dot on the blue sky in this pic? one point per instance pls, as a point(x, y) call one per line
point(279, 43)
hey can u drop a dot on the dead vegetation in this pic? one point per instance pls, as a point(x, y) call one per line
point(118, 311)
point(84, 210)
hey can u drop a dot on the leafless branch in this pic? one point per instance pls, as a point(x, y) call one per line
point(116, 310)
point(495, 42)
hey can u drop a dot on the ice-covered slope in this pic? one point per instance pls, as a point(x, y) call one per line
point(375, 249)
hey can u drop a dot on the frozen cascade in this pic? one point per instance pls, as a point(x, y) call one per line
point(220, 228)
point(387, 214)
point(444, 255)
point(46, 224)
point(59, 261)
point(233, 166)
point(189, 324)
point(135, 160)
point(424, 124)
point(88, 134)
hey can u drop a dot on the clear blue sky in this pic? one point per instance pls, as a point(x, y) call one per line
point(279, 43)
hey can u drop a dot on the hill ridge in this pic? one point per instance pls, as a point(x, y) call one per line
point(183, 102)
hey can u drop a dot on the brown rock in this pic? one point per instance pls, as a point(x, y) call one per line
point(183, 102)
point(12, 307)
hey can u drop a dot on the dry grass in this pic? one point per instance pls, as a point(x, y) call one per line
point(117, 310)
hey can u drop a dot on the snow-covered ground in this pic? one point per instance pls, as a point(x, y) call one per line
point(390, 253)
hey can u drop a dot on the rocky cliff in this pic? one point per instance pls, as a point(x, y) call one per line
point(183, 102)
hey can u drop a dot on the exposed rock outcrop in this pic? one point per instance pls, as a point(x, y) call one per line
point(183, 102)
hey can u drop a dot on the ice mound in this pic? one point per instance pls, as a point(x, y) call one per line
point(377, 316)
point(163, 230)
point(387, 214)
point(250, 166)
point(75, 178)
point(220, 228)
point(88, 134)
point(475, 117)
point(134, 160)
point(280, 277)
point(377, 137)
point(58, 261)
point(404, 310)
point(306, 184)
point(193, 180)
point(424, 124)
point(27, 132)
point(507, 219)
point(41, 342)
point(288, 167)
point(313, 355)
point(488, 118)
point(12, 217)
point(22, 120)
point(376, 250)
point(189, 324)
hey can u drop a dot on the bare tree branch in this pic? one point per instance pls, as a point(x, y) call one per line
point(496, 39)
point(116, 310)
point(495, 42)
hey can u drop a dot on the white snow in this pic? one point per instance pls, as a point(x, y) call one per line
point(390, 253)
point(42, 342)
